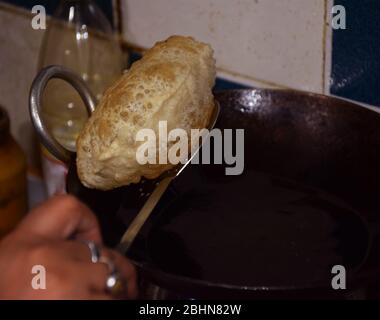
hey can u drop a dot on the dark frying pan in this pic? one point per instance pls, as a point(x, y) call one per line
point(323, 148)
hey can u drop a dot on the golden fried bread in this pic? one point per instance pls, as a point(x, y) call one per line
point(172, 82)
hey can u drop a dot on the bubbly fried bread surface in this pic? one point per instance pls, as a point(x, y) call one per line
point(173, 82)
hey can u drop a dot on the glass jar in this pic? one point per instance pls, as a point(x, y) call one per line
point(80, 38)
point(13, 194)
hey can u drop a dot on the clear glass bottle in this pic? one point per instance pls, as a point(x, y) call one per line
point(81, 38)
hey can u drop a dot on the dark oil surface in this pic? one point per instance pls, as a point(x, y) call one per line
point(253, 230)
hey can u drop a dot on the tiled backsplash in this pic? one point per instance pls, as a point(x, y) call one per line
point(260, 43)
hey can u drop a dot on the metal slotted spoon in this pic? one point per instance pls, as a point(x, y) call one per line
point(54, 147)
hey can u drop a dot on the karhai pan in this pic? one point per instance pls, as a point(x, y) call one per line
point(308, 200)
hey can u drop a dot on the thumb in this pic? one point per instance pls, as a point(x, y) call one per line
point(62, 217)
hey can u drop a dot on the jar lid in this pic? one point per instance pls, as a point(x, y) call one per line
point(4, 123)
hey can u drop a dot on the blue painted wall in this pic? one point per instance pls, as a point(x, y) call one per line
point(356, 53)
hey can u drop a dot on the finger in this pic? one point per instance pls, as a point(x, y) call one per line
point(93, 275)
point(62, 217)
point(126, 269)
point(74, 249)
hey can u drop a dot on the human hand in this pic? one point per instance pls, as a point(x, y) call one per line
point(52, 236)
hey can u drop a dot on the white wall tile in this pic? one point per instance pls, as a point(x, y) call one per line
point(274, 42)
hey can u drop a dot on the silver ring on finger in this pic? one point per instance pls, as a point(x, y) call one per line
point(115, 285)
point(94, 251)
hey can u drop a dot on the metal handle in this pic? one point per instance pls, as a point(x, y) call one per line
point(35, 104)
